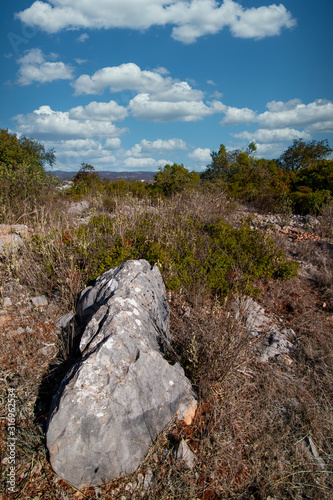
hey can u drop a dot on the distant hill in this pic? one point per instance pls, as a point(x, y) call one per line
point(111, 176)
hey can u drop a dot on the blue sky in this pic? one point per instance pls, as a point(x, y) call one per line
point(136, 84)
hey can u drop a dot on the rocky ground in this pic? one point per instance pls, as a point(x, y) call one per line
point(30, 344)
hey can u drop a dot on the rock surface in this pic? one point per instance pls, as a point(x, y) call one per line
point(272, 339)
point(123, 392)
point(12, 235)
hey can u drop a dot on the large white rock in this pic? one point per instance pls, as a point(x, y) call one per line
point(123, 392)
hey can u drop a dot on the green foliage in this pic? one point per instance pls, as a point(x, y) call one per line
point(308, 202)
point(121, 188)
point(272, 184)
point(23, 179)
point(302, 154)
point(15, 151)
point(189, 253)
point(175, 178)
point(316, 176)
point(85, 181)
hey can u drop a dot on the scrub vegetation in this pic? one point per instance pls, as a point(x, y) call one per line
point(257, 425)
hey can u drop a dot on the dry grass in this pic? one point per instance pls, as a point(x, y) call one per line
point(258, 426)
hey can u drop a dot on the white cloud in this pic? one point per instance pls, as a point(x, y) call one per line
point(163, 145)
point(278, 106)
point(100, 111)
point(129, 76)
point(190, 19)
point(83, 38)
point(134, 163)
point(201, 157)
point(80, 61)
point(76, 145)
point(113, 143)
point(48, 124)
point(324, 127)
point(161, 70)
point(283, 118)
point(235, 116)
point(34, 68)
point(269, 136)
point(282, 123)
point(296, 114)
point(157, 146)
point(273, 150)
point(146, 107)
point(261, 22)
point(158, 98)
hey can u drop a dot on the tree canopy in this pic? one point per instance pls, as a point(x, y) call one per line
point(301, 154)
point(174, 178)
point(17, 150)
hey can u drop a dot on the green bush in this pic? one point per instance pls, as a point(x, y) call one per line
point(24, 182)
point(175, 178)
point(307, 202)
point(23, 188)
point(214, 256)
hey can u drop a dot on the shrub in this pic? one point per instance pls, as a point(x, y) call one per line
point(24, 182)
point(174, 178)
point(23, 188)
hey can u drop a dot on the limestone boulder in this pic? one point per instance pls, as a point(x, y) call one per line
point(123, 391)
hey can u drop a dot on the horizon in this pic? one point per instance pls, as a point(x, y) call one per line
point(132, 89)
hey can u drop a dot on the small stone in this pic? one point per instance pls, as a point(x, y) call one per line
point(7, 302)
point(148, 479)
point(40, 301)
point(20, 330)
point(140, 479)
point(4, 319)
point(65, 322)
point(186, 454)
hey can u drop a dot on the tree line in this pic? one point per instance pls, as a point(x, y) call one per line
point(300, 180)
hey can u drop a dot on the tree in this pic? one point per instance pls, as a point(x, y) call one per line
point(175, 178)
point(24, 183)
point(14, 151)
point(86, 175)
point(301, 154)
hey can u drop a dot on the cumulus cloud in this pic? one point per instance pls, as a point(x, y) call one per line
point(236, 116)
point(44, 123)
point(34, 68)
point(76, 144)
point(113, 143)
point(261, 22)
point(296, 114)
point(157, 146)
point(146, 107)
point(133, 163)
point(129, 76)
point(200, 156)
point(282, 123)
point(269, 136)
point(287, 116)
point(190, 19)
point(100, 111)
point(159, 98)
